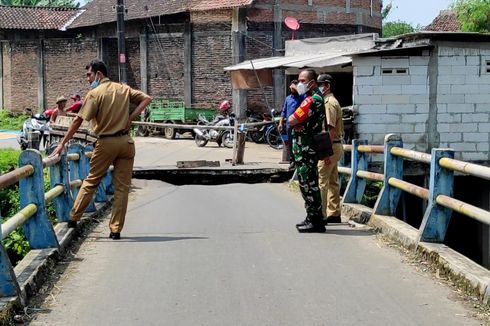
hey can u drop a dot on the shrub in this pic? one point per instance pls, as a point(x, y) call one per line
point(10, 121)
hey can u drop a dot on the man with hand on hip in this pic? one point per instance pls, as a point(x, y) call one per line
point(107, 106)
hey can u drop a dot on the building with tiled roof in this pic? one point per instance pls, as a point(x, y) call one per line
point(37, 18)
point(446, 21)
point(175, 49)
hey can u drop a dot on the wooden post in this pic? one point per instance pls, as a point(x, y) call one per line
point(436, 218)
point(241, 147)
point(356, 186)
point(393, 168)
point(235, 139)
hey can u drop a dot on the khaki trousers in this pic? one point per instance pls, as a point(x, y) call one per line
point(329, 183)
point(116, 151)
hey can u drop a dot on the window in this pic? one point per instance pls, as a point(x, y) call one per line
point(487, 66)
point(394, 71)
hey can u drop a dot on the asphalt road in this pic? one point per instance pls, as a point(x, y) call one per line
point(229, 255)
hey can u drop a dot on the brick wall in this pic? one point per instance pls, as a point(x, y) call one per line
point(211, 52)
point(166, 65)
point(24, 76)
point(7, 77)
point(463, 100)
point(64, 62)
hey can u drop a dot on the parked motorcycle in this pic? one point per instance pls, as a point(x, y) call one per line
point(225, 137)
point(34, 131)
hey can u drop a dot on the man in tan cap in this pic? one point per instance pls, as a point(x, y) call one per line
point(60, 110)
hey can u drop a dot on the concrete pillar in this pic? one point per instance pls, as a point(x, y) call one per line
point(433, 137)
point(41, 100)
point(100, 49)
point(188, 64)
point(278, 74)
point(238, 30)
point(144, 61)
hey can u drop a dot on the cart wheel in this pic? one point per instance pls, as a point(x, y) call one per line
point(169, 132)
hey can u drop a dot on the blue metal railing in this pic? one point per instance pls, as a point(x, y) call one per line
point(66, 172)
point(439, 196)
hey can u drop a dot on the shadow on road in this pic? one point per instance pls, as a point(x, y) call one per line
point(340, 229)
point(148, 239)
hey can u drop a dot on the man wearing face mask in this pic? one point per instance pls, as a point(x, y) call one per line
point(327, 169)
point(107, 106)
point(291, 103)
point(307, 121)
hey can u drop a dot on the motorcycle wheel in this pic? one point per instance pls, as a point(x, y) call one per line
point(273, 138)
point(200, 142)
point(227, 139)
point(142, 131)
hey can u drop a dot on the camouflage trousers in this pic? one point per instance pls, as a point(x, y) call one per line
point(307, 171)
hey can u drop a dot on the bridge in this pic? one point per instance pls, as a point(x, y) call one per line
point(228, 254)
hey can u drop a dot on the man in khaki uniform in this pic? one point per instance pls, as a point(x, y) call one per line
point(327, 169)
point(107, 106)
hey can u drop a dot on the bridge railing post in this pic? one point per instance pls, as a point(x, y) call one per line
point(436, 218)
point(356, 186)
point(393, 168)
point(58, 175)
point(38, 229)
point(101, 193)
point(109, 186)
point(80, 169)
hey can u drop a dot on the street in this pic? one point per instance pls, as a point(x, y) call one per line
point(230, 255)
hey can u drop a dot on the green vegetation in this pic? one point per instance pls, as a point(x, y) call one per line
point(473, 15)
point(9, 121)
point(16, 244)
point(373, 188)
point(396, 28)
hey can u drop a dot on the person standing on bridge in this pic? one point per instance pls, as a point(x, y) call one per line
point(307, 122)
point(327, 169)
point(107, 106)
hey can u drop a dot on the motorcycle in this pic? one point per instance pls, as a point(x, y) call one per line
point(34, 130)
point(225, 137)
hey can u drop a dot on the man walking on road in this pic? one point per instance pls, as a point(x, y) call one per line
point(307, 122)
point(327, 169)
point(107, 105)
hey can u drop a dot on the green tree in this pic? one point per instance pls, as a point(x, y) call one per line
point(473, 15)
point(40, 3)
point(395, 28)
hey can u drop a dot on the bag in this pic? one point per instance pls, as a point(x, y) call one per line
point(323, 145)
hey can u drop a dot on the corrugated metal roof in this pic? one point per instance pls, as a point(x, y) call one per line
point(23, 17)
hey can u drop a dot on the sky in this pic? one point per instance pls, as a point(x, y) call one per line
point(416, 11)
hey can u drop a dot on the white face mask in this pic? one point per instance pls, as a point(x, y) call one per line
point(322, 88)
point(301, 87)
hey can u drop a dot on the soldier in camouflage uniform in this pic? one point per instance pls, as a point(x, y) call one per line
point(307, 121)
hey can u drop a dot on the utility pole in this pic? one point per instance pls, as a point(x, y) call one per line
point(121, 42)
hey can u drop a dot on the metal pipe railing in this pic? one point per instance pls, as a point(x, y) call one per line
point(411, 155)
point(53, 193)
point(410, 188)
point(461, 207)
point(465, 167)
point(370, 175)
point(344, 170)
point(13, 177)
point(18, 219)
point(372, 149)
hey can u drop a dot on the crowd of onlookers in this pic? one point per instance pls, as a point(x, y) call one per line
point(61, 109)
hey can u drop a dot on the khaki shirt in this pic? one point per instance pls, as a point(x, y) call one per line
point(334, 116)
point(108, 106)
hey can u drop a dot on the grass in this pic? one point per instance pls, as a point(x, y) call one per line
point(10, 121)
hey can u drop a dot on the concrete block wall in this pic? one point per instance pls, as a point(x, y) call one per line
point(392, 103)
point(463, 100)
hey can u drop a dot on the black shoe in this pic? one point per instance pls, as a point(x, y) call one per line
point(72, 224)
point(334, 219)
point(301, 223)
point(115, 235)
point(309, 227)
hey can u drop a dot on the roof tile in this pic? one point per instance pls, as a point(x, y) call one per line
point(447, 21)
point(17, 17)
